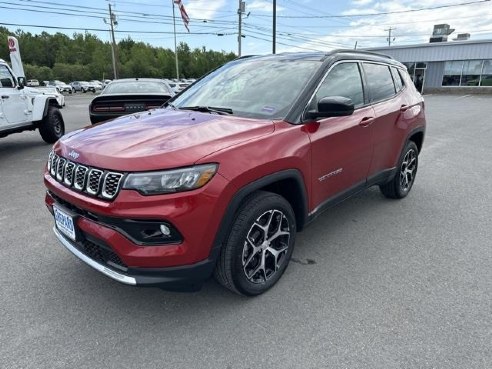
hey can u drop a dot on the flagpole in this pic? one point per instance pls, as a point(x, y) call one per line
point(175, 44)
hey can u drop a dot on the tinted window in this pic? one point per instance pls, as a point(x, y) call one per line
point(136, 87)
point(397, 79)
point(6, 79)
point(343, 80)
point(380, 81)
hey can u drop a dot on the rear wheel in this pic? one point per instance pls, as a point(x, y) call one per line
point(52, 126)
point(402, 183)
point(259, 245)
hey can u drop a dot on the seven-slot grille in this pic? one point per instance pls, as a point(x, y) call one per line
point(95, 182)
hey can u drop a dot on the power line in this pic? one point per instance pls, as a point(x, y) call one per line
point(116, 31)
point(376, 14)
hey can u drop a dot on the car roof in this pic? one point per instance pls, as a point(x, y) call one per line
point(139, 80)
point(322, 56)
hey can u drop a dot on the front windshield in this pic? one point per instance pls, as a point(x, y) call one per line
point(253, 88)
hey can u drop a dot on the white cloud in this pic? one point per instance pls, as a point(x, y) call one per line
point(361, 2)
point(411, 27)
point(203, 9)
point(262, 6)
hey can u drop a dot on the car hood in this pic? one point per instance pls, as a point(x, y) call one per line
point(158, 139)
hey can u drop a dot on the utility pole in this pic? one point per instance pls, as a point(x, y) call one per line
point(240, 11)
point(274, 40)
point(389, 35)
point(175, 44)
point(112, 23)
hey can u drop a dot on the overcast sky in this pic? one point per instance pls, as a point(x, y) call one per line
point(302, 25)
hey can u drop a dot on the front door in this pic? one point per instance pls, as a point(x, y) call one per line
point(341, 146)
point(13, 100)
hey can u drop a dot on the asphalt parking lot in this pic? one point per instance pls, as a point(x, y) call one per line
point(374, 283)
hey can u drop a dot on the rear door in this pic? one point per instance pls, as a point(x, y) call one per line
point(385, 88)
point(341, 146)
point(13, 100)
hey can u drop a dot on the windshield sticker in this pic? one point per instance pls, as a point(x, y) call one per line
point(269, 109)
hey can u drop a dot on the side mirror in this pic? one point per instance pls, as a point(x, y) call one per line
point(333, 106)
point(21, 83)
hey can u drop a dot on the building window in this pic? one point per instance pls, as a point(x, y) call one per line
point(486, 79)
point(452, 73)
point(468, 73)
point(471, 73)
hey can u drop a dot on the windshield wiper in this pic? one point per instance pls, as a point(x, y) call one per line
point(208, 109)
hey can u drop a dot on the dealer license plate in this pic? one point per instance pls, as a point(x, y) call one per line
point(64, 223)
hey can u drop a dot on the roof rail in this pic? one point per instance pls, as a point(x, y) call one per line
point(353, 51)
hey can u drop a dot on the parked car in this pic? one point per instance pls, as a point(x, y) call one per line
point(126, 96)
point(82, 86)
point(27, 108)
point(32, 83)
point(221, 179)
point(61, 86)
point(98, 86)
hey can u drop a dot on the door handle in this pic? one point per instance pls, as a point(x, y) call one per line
point(404, 108)
point(5, 96)
point(366, 121)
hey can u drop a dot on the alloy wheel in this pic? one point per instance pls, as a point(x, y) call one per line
point(266, 246)
point(408, 170)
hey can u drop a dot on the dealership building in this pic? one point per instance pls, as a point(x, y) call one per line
point(462, 66)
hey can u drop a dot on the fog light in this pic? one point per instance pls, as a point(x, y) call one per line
point(165, 230)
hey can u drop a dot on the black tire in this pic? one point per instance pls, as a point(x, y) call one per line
point(400, 186)
point(52, 126)
point(239, 257)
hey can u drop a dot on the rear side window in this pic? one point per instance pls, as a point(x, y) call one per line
point(343, 80)
point(380, 81)
point(397, 79)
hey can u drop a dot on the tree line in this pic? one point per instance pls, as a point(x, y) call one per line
point(85, 57)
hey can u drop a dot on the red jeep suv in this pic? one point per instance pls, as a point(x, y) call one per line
point(222, 177)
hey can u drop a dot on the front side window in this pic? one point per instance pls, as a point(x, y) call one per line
point(342, 80)
point(380, 81)
point(264, 88)
point(6, 79)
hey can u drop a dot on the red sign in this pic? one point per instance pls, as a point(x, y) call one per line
point(12, 45)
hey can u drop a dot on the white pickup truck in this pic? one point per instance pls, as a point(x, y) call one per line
point(26, 109)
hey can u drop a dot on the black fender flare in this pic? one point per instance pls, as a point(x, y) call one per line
point(242, 193)
point(49, 102)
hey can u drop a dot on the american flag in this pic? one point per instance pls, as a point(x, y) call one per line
point(184, 15)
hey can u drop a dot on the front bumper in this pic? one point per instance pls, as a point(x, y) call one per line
point(182, 278)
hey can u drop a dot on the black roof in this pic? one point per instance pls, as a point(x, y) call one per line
point(338, 54)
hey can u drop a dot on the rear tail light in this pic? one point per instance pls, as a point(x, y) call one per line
point(108, 108)
point(116, 108)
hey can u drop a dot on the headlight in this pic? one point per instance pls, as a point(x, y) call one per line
point(176, 180)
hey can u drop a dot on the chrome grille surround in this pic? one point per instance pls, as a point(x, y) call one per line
point(92, 181)
point(111, 184)
point(69, 172)
point(80, 177)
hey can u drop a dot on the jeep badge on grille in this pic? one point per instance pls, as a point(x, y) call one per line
point(73, 154)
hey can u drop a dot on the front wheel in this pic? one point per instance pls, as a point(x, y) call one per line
point(52, 126)
point(402, 183)
point(259, 245)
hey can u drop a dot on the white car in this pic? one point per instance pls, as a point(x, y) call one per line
point(26, 109)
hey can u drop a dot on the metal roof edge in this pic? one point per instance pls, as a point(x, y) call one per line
point(433, 44)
